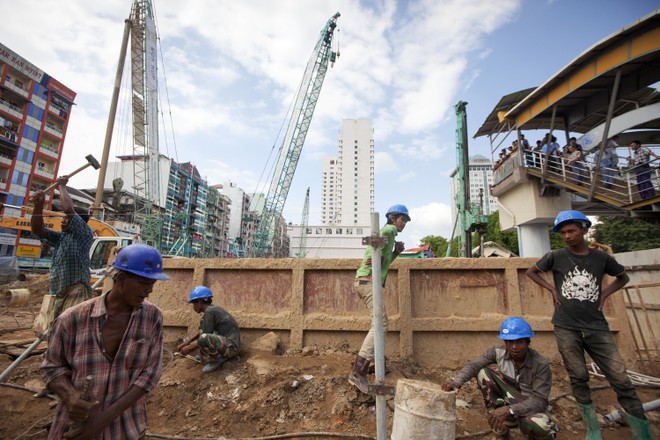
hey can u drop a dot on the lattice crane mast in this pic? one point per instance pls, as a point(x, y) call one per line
point(470, 217)
point(302, 251)
point(301, 117)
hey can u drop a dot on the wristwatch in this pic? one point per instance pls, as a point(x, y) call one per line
point(511, 411)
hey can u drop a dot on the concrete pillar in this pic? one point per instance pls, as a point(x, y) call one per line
point(533, 240)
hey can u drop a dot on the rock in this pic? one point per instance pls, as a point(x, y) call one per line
point(269, 342)
point(460, 403)
point(308, 351)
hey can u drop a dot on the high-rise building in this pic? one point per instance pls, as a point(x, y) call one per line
point(241, 220)
point(347, 198)
point(34, 116)
point(347, 186)
point(481, 179)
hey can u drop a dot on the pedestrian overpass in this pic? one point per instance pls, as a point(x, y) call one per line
point(610, 89)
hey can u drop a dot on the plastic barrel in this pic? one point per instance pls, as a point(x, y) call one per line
point(423, 411)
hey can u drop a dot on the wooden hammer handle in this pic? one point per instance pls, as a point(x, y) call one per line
point(71, 174)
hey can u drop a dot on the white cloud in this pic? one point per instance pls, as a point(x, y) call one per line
point(431, 219)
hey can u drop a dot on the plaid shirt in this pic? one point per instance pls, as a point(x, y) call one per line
point(70, 255)
point(642, 156)
point(75, 350)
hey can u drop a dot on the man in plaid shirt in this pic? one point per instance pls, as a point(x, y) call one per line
point(117, 339)
point(69, 274)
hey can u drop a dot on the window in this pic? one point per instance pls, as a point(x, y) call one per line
point(358, 231)
point(328, 231)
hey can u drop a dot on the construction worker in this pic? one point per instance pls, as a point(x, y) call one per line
point(397, 218)
point(218, 338)
point(580, 325)
point(520, 396)
point(116, 340)
point(69, 272)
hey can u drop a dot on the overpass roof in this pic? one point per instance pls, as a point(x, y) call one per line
point(581, 90)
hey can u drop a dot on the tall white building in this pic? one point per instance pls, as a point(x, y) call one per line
point(347, 186)
point(481, 178)
point(347, 198)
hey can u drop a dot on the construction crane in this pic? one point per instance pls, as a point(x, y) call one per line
point(469, 216)
point(301, 117)
point(302, 251)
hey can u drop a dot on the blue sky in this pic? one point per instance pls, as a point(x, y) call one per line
point(232, 69)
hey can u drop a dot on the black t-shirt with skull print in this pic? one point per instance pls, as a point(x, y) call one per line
point(578, 280)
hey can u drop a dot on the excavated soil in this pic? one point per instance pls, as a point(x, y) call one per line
point(264, 393)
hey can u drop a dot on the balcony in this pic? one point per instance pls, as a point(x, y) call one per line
point(53, 130)
point(49, 150)
point(5, 159)
point(11, 109)
point(44, 172)
point(16, 88)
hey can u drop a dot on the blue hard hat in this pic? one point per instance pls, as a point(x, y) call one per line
point(142, 260)
point(397, 209)
point(200, 292)
point(515, 328)
point(570, 216)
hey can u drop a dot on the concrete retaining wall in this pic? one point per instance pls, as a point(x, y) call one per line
point(443, 312)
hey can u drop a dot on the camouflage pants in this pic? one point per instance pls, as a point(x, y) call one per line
point(498, 393)
point(69, 297)
point(213, 346)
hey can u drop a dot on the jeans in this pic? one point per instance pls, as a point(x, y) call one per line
point(601, 347)
point(365, 290)
point(644, 183)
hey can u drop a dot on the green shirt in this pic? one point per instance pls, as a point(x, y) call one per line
point(386, 252)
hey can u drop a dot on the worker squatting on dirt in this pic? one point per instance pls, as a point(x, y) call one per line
point(520, 396)
point(69, 273)
point(117, 339)
point(397, 217)
point(218, 338)
point(580, 325)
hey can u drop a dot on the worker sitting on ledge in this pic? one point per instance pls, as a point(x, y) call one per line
point(218, 338)
point(520, 396)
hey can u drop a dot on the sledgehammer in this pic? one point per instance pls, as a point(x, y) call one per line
point(90, 162)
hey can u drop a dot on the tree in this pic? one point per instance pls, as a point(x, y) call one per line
point(625, 234)
point(439, 245)
point(494, 233)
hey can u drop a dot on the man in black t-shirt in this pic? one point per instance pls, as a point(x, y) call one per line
point(580, 325)
point(218, 337)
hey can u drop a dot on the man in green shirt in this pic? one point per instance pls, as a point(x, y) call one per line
point(397, 218)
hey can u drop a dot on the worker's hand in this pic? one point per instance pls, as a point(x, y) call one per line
point(79, 409)
point(497, 418)
point(368, 262)
point(450, 386)
point(38, 198)
point(62, 180)
point(555, 297)
point(186, 349)
point(91, 428)
point(399, 247)
point(183, 343)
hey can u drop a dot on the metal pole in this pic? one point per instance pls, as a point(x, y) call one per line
point(606, 134)
point(37, 341)
point(96, 209)
point(379, 336)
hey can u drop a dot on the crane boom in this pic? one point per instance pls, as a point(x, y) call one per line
point(303, 227)
point(287, 161)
